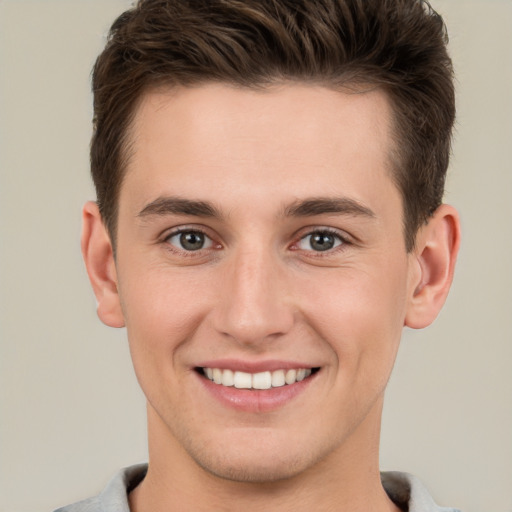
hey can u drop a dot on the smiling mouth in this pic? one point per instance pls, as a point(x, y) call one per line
point(256, 381)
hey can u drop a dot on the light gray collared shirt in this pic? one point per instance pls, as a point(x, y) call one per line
point(405, 490)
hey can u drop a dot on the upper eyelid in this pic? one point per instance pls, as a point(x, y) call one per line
point(341, 234)
point(345, 239)
point(169, 232)
point(164, 240)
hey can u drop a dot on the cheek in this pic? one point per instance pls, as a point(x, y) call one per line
point(359, 313)
point(163, 298)
point(162, 311)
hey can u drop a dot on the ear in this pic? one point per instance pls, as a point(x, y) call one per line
point(437, 245)
point(99, 260)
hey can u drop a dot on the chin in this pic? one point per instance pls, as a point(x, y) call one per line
point(250, 470)
point(253, 459)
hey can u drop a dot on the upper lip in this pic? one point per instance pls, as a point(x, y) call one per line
point(254, 366)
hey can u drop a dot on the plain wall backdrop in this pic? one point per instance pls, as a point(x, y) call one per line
point(71, 411)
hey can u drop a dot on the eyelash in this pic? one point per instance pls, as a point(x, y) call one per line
point(343, 240)
point(184, 252)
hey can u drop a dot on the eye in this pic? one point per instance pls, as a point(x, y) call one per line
point(190, 240)
point(320, 241)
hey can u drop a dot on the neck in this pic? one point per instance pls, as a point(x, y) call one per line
point(347, 480)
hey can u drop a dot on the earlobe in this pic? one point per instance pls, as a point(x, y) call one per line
point(437, 245)
point(99, 260)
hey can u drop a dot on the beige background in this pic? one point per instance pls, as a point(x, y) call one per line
point(71, 411)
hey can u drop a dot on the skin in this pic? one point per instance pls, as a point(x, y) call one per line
point(259, 290)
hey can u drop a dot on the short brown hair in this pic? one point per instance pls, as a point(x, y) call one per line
point(396, 45)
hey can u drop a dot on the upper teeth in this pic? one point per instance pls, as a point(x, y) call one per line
point(262, 380)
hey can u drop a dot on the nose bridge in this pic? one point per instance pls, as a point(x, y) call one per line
point(254, 305)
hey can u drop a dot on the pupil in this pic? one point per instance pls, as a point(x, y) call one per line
point(192, 241)
point(322, 242)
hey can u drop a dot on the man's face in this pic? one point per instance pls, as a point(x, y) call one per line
point(260, 232)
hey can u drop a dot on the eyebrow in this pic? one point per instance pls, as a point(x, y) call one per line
point(179, 206)
point(300, 208)
point(324, 205)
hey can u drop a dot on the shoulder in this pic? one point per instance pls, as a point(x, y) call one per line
point(114, 498)
point(409, 493)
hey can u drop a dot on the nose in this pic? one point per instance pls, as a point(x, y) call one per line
point(254, 305)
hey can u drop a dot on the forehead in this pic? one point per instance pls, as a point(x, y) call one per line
point(295, 110)
point(223, 140)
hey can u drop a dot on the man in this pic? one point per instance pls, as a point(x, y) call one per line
point(269, 217)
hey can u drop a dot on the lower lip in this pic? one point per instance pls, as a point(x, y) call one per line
point(256, 400)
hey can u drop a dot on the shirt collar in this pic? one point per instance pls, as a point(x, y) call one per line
point(406, 491)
